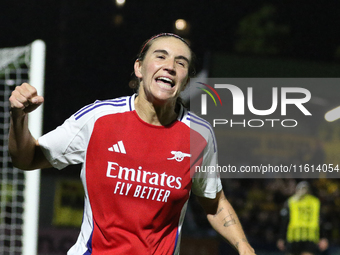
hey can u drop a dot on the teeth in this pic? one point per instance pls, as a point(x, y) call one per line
point(165, 79)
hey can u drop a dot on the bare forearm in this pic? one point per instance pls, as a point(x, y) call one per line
point(227, 224)
point(22, 145)
point(224, 220)
point(24, 149)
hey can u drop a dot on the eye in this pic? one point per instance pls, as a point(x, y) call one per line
point(160, 56)
point(181, 63)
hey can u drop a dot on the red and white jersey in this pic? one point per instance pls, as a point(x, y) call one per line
point(136, 176)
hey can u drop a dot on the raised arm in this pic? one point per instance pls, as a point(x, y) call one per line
point(224, 220)
point(23, 147)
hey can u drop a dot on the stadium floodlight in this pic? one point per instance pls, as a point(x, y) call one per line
point(180, 24)
point(120, 3)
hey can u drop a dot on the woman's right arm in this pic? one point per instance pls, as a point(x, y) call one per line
point(24, 149)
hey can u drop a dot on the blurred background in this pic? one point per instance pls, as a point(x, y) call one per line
point(91, 48)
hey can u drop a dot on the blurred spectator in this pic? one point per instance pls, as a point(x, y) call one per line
point(258, 203)
point(300, 230)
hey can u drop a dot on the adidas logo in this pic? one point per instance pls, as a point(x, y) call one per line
point(118, 147)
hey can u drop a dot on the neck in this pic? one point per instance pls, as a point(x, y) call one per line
point(159, 115)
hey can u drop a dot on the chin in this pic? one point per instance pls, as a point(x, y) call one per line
point(163, 100)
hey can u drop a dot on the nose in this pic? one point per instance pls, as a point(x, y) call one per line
point(170, 66)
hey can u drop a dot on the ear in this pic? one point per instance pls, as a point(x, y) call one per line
point(138, 69)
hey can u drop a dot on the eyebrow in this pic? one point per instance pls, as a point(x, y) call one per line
point(178, 57)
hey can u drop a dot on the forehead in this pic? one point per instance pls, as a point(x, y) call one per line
point(172, 45)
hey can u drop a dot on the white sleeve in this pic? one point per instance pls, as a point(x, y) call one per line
point(207, 184)
point(66, 144)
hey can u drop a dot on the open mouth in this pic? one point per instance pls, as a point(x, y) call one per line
point(166, 81)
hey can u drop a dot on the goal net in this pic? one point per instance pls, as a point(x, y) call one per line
point(19, 190)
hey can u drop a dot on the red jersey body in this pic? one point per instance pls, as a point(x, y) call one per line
point(136, 176)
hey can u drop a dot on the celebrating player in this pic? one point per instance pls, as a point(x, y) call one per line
point(136, 158)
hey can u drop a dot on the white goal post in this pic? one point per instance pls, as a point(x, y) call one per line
point(32, 178)
point(20, 190)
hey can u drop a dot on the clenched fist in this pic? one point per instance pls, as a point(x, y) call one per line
point(25, 98)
